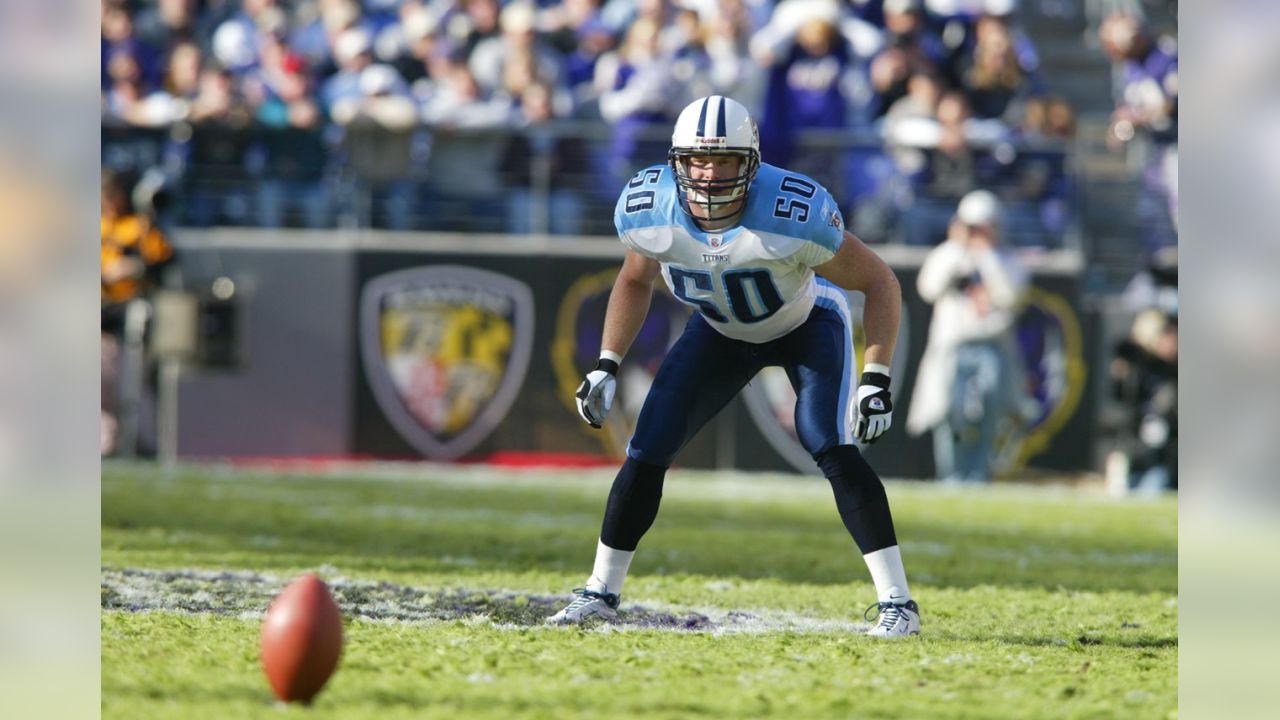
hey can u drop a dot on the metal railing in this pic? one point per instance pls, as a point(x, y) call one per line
point(558, 178)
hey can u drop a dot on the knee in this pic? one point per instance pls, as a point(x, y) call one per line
point(643, 456)
point(638, 477)
point(847, 470)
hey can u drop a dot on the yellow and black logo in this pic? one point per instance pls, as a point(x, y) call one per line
point(445, 351)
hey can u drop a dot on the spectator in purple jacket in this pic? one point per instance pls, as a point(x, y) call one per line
point(1146, 114)
point(635, 96)
point(805, 89)
point(121, 44)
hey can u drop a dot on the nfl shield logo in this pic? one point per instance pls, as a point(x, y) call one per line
point(714, 240)
point(445, 351)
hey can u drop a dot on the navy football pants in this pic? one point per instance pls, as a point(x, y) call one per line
point(701, 374)
point(704, 370)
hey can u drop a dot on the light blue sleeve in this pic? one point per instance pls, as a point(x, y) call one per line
point(646, 201)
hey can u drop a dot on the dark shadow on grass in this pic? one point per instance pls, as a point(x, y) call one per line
point(199, 695)
point(1079, 643)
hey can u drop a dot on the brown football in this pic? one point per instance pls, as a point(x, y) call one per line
point(301, 639)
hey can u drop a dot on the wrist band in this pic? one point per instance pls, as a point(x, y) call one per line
point(875, 368)
point(607, 365)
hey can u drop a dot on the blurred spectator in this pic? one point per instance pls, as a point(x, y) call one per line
point(121, 45)
point(378, 126)
point(690, 63)
point(808, 87)
point(1046, 120)
point(456, 100)
point(732, 71)
point(236, 43)
point(316, 28)
point(539, 159)
point(663, 14)
point(967, 382)
point(182, 82)
point(279, 93)
point(478, 22)
point(353, 52)
point(123, 97)
point(911, 121)
point(134, 251)
point(956, 22)
point(993, 78)
point(217, 172)
point(952, 168)
point(563, 22)
point(1156, 286)
point(1147, 112)
point(905, 28)
point(463, 185)
point(166, 104)
point(635, 89)
point(518, 39)
point(909, 48)
point(593, 41)
point(1036, 185)
point(1144, 380)
point(163, 23)
point(418, 28)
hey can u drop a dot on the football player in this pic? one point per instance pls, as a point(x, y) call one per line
point(761, 255)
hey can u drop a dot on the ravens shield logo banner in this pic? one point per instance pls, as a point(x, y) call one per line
point(445, 351)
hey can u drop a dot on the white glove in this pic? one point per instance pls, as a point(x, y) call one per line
point(875, 408)
point(595, 394)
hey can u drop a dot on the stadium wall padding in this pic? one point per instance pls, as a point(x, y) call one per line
point(404, 346)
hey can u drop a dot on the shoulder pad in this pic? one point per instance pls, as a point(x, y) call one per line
point(787, 205)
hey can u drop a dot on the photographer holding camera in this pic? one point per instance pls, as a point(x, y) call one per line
point(969, 375)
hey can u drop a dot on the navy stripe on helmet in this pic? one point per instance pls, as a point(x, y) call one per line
point(720, 129)
point(702, 118)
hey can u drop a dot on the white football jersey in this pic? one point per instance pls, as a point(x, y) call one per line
point(753, 281)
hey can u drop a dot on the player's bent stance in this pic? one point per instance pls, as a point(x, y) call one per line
point(761, 254)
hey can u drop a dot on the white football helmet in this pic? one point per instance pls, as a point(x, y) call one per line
point(714, 125)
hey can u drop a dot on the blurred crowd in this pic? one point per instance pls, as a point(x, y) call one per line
point(1145, 121)
point(269, 112)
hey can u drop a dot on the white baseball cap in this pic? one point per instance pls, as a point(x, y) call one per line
point(379, 79)
point(980, 207)
point(351, 43)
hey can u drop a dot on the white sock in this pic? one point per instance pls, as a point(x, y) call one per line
point(610, 570)
point(888, 574)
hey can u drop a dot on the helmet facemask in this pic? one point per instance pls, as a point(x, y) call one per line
point(713, 195)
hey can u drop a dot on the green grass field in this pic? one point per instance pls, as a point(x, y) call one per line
point(744, 601)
